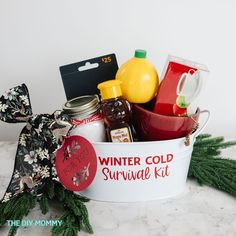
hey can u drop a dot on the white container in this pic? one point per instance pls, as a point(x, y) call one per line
point(86, 115)
point(93, 131)
point(160, 167)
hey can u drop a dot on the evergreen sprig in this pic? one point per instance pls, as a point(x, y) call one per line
point(76, 214)
point(16, 208)
point(43, 203)
point(74, 218)
point(208, 168)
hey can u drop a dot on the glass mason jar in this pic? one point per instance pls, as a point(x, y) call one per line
point(86, 117)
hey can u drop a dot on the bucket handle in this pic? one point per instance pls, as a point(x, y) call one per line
point(199, 130)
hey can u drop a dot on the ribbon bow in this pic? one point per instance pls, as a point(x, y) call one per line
point(38, 142)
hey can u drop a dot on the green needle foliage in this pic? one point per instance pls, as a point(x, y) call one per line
point(74, 218)
point(208, 168)
point(43, 203)
point(16, 208)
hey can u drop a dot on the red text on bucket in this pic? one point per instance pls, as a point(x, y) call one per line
point(151, 166)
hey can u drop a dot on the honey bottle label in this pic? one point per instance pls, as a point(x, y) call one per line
point(121, 135)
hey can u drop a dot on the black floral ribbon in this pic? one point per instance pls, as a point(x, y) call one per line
point(15, 105)
point(39, 140)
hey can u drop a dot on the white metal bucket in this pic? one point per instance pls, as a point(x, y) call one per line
point(141, 171)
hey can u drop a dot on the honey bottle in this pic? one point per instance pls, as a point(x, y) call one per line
point(115, 110)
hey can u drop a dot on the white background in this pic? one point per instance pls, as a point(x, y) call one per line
point(36, 37)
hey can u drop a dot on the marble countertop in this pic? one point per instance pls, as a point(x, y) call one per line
point(199, 211)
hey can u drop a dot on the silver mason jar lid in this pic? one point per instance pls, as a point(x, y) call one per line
point(82, 106)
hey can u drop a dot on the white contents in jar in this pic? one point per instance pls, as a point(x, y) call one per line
point(93, 131)
point(86, 117)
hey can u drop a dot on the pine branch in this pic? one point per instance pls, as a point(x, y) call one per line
point(208, 168)
point(203, 136)
point(50, 191)
point(70, 225)
point(76, 214)
point(43, 203)
point(13, 230)
point(85, 218)
point(74, 219)
point(15, 209)
point(60, 192)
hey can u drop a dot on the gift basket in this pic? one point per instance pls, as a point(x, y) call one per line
point(140, 132)
point(121, 136)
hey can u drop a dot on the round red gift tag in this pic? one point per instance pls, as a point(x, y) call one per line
point(76, 163)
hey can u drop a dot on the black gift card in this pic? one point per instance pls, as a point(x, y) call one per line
point(82, 78)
